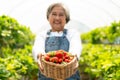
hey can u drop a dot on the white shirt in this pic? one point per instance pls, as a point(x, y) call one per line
point(73, 37)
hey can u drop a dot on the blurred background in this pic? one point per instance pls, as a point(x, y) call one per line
point(98, 21)
point(85, 14)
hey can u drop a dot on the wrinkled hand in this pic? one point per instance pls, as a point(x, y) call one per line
point(77, 64)
point(39, 62)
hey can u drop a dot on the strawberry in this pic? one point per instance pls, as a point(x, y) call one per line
point(67, 57)
point(59, 57)
point(65, 53)
point(47, 58)
point(54, 59)
point(67, 60)
point(60, 60)
point(59, 54)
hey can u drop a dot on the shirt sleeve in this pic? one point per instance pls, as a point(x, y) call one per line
point(38, 46)
point(75, 44)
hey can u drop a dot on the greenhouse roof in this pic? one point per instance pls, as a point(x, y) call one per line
point(87, 13)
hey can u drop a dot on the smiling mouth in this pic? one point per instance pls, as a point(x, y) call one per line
point(57, 23)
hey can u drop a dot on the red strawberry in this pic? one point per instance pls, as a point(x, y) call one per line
point(59, 54)
point(54, 59)
point(60, 60)
point(67, 57)
point(63, 58)
point(47, 58)
point(67, 60)
point(65, 53)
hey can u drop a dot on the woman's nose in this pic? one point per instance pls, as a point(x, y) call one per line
point(57, 17)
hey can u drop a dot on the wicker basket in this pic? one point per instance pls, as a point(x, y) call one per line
point(59, 71)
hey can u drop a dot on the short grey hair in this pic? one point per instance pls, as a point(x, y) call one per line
point(67, 14)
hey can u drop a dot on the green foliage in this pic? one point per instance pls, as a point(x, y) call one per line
point(106, 34)
point(14, 35)
point(18, 65)
point(16, 42)
point(4, 74)
point(101, 61)
point(16, 61)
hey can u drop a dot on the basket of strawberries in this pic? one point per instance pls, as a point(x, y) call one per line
point(59, 64)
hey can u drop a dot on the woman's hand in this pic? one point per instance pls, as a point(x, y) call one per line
point(39, 57)
point(77, 64)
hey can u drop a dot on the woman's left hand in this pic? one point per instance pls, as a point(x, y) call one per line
point(39, 62)
point(77, 64)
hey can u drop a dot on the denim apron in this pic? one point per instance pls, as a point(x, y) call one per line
point(57, 43)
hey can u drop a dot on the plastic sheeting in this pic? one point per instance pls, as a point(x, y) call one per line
point(85, 14)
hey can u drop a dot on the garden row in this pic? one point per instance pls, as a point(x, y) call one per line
point(101, 61)
point(16, 62)
point(105, 35)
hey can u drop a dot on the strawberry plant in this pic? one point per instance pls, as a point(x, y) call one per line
point(101, 61)
point(104, 34)
point(16, 61)
point(13, 34)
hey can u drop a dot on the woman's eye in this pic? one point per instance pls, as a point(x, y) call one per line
point(61, 14)
point(54, 14)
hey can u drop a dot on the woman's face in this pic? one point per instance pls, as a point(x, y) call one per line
point(57, 19)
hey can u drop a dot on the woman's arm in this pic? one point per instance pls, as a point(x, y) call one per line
point(75, 44)
point(38, 46)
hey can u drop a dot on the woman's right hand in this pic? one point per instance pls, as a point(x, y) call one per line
point(39, 57)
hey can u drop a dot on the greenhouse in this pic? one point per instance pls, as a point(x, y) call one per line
point(98, 24)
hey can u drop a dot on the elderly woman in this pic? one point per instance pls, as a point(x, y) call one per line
point(57, 38)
